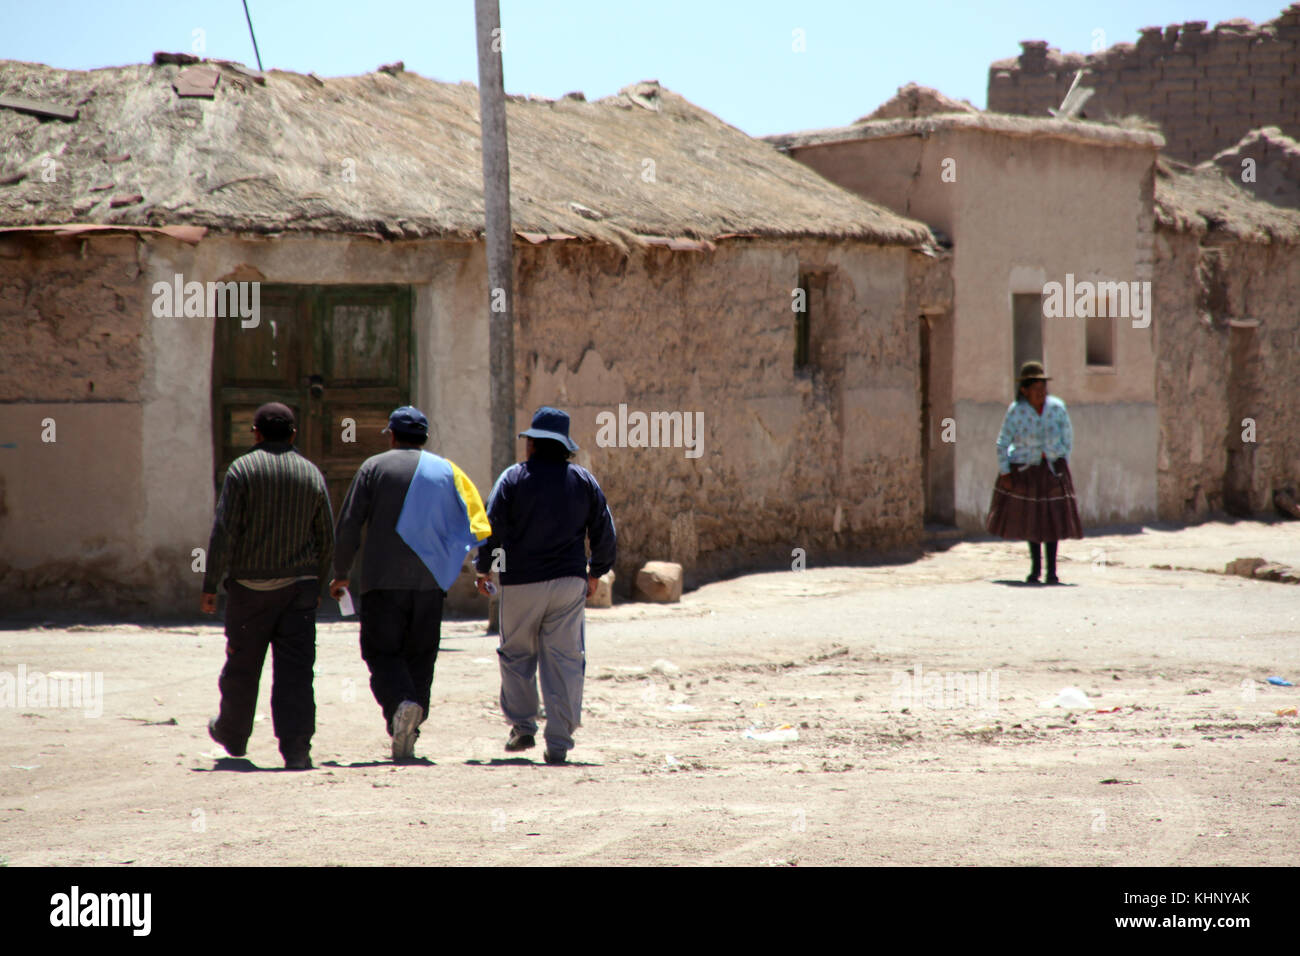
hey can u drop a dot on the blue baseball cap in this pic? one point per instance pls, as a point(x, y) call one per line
point(553, 424)
point(407, 420)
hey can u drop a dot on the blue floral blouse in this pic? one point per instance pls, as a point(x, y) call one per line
point(1026, 437)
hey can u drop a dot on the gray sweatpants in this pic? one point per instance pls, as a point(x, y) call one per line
point(544, 623)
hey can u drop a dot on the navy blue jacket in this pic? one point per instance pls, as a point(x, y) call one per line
point(541, 513)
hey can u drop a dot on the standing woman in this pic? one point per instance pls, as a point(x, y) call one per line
point(1034, 497)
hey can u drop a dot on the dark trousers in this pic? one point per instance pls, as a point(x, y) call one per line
point(400, 632)
point(284, 619)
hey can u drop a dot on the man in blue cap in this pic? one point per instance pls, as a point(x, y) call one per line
point(542, 512)
point(423, 515)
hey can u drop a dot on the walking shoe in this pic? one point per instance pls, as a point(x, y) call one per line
point(1031, 579)
point(555, 757)
point(520, 741)
point(1053, 579)
point(298, 762)
point(405, 722)
point(232, 749)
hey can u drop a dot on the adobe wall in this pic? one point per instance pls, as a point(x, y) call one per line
point(1027, 212)
point(827, 461)
point(1205, 88)
point(62, 304)
point(73, 338)
point(899, 172)
point(107, 517)
point(1203, 289)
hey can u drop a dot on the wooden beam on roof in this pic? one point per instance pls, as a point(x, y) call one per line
point(38, 107)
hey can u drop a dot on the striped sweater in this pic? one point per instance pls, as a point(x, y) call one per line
point(273, 519)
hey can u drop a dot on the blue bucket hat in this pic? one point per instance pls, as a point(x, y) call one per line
point(553, 424)
point(407, 420)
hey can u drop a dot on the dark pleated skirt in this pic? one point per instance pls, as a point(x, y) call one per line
point(1039, 505)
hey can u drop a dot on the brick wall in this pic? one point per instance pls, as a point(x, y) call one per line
point(1205, 88)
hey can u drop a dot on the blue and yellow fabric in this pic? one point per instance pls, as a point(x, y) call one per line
point(442, 517)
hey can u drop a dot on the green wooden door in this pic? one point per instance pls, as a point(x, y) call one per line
point(339, 356)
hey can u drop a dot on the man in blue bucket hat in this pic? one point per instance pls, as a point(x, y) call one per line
point(542, 512)
point(423, 515)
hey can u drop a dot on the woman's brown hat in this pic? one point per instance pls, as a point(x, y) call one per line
point(1033, 372)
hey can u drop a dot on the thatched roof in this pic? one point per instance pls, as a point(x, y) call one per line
point(1275, 157)
point(268, 154)
point(1076, 131)
point(1199, 199)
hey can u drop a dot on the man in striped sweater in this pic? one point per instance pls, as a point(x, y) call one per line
point(272, 541)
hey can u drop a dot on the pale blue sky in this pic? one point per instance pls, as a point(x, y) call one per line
point(732, 57)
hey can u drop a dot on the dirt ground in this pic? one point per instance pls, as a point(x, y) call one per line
point(888, 767)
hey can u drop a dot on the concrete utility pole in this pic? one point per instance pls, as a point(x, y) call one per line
point(496, 203)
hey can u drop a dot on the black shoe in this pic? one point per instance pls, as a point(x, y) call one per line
point(555, 758)
point(1053, 579)
point(1032, 579)
point(518, 742)
point(298, 762)
point(235, 750)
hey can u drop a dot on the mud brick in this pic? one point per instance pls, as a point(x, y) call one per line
point(1035, 88)
point(1193, 37)
point(1217, 59)
point(1271, 68)
point(1244, 567)
point(1270, 572)
point(1263, 53)
point(1118, 57)
point(1033, 58)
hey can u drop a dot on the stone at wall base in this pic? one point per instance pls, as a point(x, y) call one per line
point(1244, 567)
point(1270, 572)
point(659, 582)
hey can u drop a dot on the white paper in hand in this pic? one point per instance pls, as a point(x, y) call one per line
point(345, 604)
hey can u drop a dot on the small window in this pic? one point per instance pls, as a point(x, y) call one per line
point(1101, 341)
point(807, 306)
point(1027, 329)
